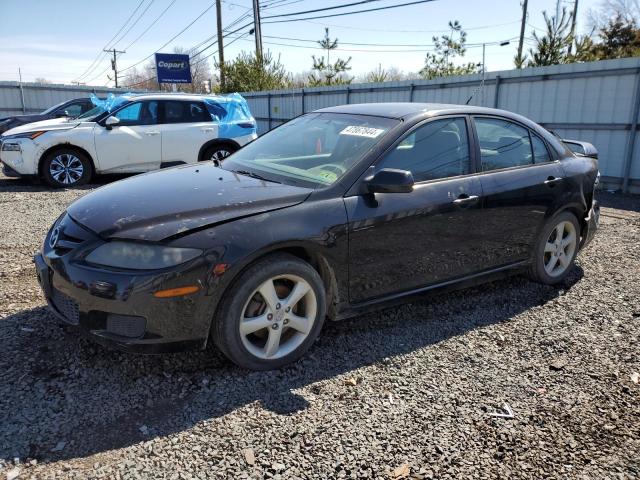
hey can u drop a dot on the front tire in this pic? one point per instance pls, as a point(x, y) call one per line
point(556, 249)
point(271, 314)
point(66, 168)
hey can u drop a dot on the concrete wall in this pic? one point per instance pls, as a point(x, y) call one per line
point(595, 102)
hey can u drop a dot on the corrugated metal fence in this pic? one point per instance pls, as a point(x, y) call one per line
point(18, 98)
point(596, 102)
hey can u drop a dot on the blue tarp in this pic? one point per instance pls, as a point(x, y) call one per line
point(231, 112)
point(111, 101)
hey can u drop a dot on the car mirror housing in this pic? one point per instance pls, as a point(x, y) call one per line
point(111, 122)
point(390, 180)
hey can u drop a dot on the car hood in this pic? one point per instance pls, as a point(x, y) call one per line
point(175, 201)
point(52, 124)
point(24, 118)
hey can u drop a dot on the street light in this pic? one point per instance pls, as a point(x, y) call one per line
point(501, 44)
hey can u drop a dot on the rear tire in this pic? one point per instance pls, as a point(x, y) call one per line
point(556, 249)
point(66, 167)
point(218, 152)
point(271, 314)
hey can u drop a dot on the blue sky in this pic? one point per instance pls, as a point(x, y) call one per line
point(60, 39)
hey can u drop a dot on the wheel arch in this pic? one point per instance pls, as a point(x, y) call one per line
point(63, 146)
point(216, 142)
point(578, 210)
point(306, 253)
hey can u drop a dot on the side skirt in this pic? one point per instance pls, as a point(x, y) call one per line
point(434, 289)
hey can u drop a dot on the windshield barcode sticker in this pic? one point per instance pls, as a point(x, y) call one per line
point(368, 132)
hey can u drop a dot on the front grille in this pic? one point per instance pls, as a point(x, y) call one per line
point(126, 325)
point(69, 236)
point(66, 306)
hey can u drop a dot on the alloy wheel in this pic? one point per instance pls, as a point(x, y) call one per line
point(66, 168)
point(278, 316)
point(559, 249)
point(220, 154)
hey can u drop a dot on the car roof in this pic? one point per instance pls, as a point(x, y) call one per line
point(406, 110)
point(167, 96)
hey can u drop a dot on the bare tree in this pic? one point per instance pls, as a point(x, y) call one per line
point(599, 17)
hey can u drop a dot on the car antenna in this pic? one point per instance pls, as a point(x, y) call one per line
point(478, 88)
point(481, 86)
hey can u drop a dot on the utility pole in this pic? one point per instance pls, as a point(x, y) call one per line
point(257, 28)
point(522, 25)
point(114, 64)
point(220, 45)
point(573, 25)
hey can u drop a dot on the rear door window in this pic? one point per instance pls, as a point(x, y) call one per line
point(540, 152)
point(503, 144)
point(177, 111)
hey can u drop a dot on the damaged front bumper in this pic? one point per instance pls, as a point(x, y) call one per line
point(117, 307)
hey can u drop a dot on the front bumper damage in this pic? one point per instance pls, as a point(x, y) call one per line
point(118, 308)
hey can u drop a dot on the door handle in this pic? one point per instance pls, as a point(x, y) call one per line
point(465, 199)
point(207, 130)
point(152, 132)
point(551, 181)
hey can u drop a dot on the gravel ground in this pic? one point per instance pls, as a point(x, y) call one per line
point(510, 379)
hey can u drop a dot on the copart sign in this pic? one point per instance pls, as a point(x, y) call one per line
point(173, 68)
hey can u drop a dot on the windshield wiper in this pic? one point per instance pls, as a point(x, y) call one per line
point(254, 175)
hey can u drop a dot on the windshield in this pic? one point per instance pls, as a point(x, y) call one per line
point(313, 150)
point(91, 114)
point(51, 109)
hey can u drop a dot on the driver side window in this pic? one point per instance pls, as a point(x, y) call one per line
point(138, 113)
point(437, 149)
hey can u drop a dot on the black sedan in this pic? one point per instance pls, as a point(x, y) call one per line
point(331, 214)
point(70, 108)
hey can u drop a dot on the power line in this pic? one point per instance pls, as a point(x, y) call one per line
point(102, 54)
point(115, 42)
point(348, 13)
point(200, 60)
point(224, 36)
point(133, 24)
point(171, 39)
point(279, 3)
point(150, 25)
point(386, 30)
point(322, 9)
point(424, 46)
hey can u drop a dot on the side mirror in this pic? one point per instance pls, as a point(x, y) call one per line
point(62, 114)
point(390, 180)
point(111, 122)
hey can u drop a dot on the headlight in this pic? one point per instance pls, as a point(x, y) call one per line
point(31, 135)
point(10, 147)
point(137, 256)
